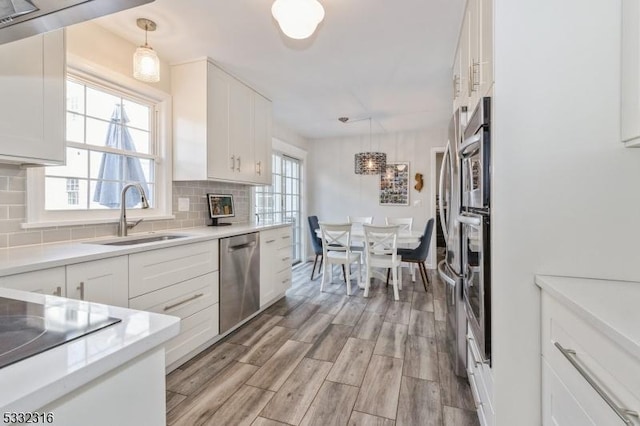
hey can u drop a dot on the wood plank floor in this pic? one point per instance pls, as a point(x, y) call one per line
point(328, 359)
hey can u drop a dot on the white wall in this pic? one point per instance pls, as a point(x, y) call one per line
point(335, 191)
point(565, 191)
point(285, 134)
point(101, 47)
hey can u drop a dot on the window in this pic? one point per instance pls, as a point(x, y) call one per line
point(116, 133)
point(109, 143)
point(72, 191)
point(281, 202)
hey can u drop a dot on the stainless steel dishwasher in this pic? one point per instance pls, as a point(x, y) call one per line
point(239, 279)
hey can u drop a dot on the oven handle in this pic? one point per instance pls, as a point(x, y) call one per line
point(468, 147)
point(469, 220)
point(445, 223)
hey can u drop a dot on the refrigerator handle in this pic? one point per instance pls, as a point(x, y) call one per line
point(443, 220)
point(446, 278)
point(469, 220)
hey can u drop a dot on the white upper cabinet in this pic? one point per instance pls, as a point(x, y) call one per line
point(473, 63)
point(32, 87)
point(630, 78)
point(222, 128)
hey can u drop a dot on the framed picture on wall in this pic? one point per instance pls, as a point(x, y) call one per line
point(394, 185)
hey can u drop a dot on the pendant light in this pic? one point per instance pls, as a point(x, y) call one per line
point(298, 19)
point(369, 163)
point(146, 65)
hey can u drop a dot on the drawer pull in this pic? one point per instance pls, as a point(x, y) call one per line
point(284, 237)
point(58, 291)
point(80, 288)
point(284, 259)
point(270, 241)
point(194, 297)
point(477, 359)
point(285, 281)
point(571, 355)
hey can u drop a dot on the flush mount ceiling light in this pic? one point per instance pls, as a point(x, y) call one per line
point(298, 19)
point(146, 65)
point(368, 163)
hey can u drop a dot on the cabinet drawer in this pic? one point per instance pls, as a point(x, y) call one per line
point(156, 269)
point(282, 259)
point(277, 238)
point(481, 381)
point(195, 330)
point(283, 279)
point(611, 367)
point(46, 281)
point(559, 406)
point(182, 299)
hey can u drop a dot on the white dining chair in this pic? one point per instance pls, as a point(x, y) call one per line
point(381, 251)
point(360, 220)
point(405, 224)
point(336, 250)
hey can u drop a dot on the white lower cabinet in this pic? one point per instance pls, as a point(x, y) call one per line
point(576, 359)
point(101, 281)
point(46, 281)
point(480, 381)
point(275, 264)
point(181, 281)
point(195, 301)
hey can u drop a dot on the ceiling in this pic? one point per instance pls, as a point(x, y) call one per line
point(386, 59)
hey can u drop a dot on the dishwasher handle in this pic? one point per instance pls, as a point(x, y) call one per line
point(231, 249)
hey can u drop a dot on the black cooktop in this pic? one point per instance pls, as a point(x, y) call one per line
point(27, 328)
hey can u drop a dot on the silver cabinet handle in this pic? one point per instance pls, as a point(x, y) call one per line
point(259, 168)
point(285, 281)
point(194, 297)
point(475, 80)
point(284, 237)
point(81, 288)
point(285, 259)
point(238, 169)
point(241, 246)
point(621, 412)
point(477, 359)
point(58, 291)
point(233, 162)
point(270, 241)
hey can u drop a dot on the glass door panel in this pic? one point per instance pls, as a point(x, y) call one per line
point(281, 202)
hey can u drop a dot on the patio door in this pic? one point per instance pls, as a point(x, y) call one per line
point(281, 202)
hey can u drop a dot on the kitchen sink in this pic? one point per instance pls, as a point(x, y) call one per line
point(140, 240)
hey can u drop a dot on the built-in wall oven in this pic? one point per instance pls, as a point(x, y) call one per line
point(476, 277)
point(475, 154)
point(475, 222)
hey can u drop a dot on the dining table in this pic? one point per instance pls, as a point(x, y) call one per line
point(405, 239)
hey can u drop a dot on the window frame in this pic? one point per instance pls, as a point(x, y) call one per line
point(110, 81)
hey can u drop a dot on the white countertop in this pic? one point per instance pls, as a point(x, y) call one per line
point(16, 260)
point(41, 379)
point(613, 307)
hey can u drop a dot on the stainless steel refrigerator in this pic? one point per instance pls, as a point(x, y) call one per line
point(450, 268)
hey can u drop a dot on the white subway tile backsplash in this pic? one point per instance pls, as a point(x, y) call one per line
point(25, 238)
point(13, 194)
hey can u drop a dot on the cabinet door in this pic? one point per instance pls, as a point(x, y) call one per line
point(630, 84)
point(102, 281)
point(456, 80)
point(262, 139)
point(46, 281)
point(221, 160)
point(486, 46)
point(473, 13)
point(240, 134)
point(32, 77)
point(465, 63)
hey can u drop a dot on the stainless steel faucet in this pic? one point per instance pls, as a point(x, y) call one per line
point(124, 226)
